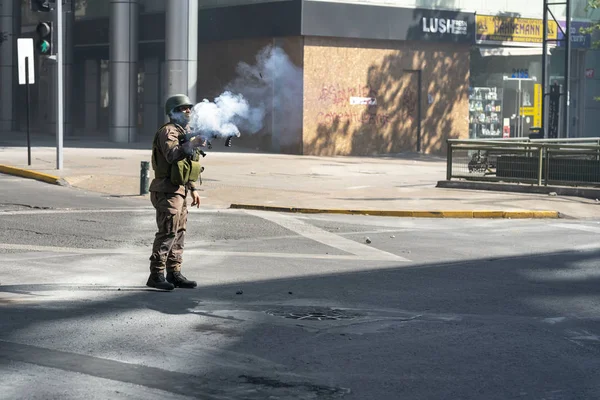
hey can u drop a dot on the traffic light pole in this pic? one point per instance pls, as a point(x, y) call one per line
point(567, 67)
point(59, 82)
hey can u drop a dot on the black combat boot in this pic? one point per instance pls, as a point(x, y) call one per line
point(179, 280)
point(157, 280)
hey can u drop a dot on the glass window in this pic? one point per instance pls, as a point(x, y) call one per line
point(505, 95)
point(152, 6)
point(92, 8)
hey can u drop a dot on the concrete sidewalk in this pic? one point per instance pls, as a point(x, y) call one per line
point(242, 177)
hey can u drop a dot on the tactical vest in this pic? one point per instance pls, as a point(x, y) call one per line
point(181, 172)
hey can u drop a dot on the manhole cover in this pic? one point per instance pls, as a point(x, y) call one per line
point(313, 314)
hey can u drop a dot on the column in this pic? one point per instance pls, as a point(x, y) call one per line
point(8, 43)
point(151, 119)
point(92, 94)
point(68, 70)
point(182, 47)
point(123, 70)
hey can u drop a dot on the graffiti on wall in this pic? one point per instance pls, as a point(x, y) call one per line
point(366, 117)
point(335, 103)
point(409, 103)
point(339, 95)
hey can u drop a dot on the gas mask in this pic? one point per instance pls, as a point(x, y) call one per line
point(180, 118)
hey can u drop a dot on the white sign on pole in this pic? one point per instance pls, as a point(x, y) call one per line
point(25, 50)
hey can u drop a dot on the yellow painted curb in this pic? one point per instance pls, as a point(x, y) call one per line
point(406, 213)
point(25, 173)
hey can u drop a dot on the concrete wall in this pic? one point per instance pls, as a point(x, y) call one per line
point(337, 69)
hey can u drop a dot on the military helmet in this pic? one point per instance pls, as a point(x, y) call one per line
point(175, 101)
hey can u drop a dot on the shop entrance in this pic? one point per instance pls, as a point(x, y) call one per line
point(519, 104)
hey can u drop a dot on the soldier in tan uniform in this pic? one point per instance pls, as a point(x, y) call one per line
point(169, 198)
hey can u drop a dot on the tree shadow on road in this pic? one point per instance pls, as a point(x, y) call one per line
point(522, 319)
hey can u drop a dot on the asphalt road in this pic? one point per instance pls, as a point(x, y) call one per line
point(292, 306)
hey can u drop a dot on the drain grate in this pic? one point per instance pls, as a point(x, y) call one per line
point(313, 313)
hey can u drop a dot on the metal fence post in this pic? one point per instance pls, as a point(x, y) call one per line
point(449, 161)
point(547, 167)
point(540, 164)
point(144, 178)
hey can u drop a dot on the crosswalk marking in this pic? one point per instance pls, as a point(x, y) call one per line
point(327, 238)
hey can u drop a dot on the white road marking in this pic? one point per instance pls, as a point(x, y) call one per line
point(588, 247)
point(309, 231)
point(56, 249)
point(577, 227)
point(357, 187)
point(107, 210)
point(209, 253)
point(77, 211)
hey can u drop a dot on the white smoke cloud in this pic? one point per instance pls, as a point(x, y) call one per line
point(272, 87)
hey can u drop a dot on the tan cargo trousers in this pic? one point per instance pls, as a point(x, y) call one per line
point(171, 220)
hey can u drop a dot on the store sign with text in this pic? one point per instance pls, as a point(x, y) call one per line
point(579, 39)
point(496, 28)
point(441, 25)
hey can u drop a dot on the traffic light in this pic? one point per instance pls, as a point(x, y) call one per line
point(40, 5)
point(43, 44)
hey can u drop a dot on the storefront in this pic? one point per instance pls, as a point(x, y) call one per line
point(375, 79)
point(506, 72)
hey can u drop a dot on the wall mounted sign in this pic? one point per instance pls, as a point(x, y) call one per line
point(579, 40)
point(336, 19)
point(511, 29)
point(443, 25)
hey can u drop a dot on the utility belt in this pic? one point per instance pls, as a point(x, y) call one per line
point(179, 173)
point(186, 170)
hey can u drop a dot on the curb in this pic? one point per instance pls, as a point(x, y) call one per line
point(585, 192)
point(410, 214)
point(25, 173)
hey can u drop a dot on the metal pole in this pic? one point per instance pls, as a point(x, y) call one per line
point(540, 164)
point(544, 61)
point(520, 106)
point(449, 161)
point(567, 69)
point(27, 109)
point(59, 82)
point(419, 102)
point(144, 177)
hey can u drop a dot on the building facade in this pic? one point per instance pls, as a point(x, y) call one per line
point(377, 77)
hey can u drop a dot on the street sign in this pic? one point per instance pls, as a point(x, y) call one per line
point(25, 50)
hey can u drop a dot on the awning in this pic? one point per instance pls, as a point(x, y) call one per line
point(513, 51)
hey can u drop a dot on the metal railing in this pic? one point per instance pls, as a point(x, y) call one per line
point(565, 162)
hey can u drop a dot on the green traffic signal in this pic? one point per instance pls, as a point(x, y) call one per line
point(44, 38)
point(44, 47)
